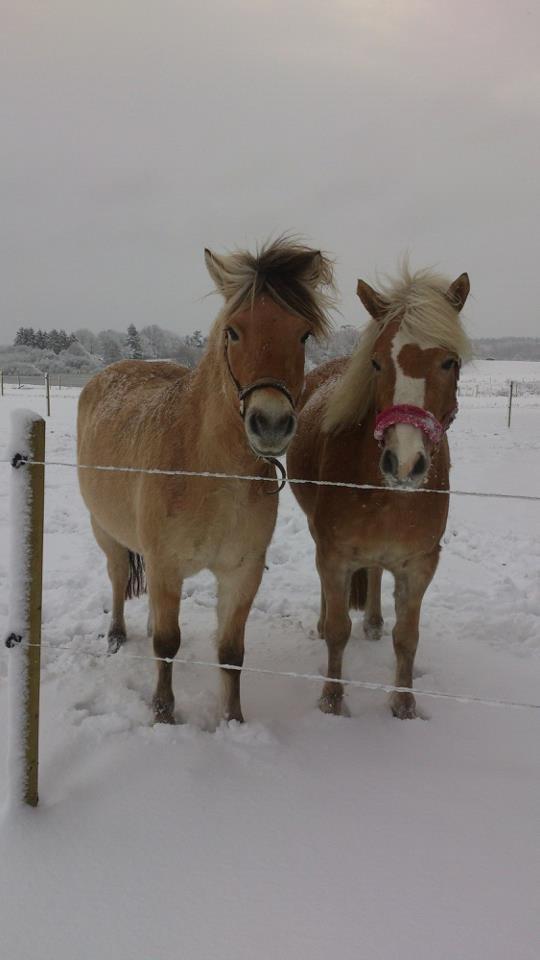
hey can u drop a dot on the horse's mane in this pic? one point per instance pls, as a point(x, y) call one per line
point(427, 316)
point(297, 277)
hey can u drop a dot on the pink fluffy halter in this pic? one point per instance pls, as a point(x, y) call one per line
point(415, 417)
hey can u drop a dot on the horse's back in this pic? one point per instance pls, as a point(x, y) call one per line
point(116, 402)
point(329, 370)
point(120, 379)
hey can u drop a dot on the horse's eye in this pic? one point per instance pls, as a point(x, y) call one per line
point(305, 337)
point(448, 364)
point(232, 334)
point(375, 364)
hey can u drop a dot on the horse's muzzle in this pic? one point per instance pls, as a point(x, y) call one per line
point(270, 431)
point(396, 475)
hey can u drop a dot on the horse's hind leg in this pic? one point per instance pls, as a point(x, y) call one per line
point(335, 584)
point(236, 592)
point(412, 582)
point(322, 616)
point(164, 589)
point(118, 569)
point(373, 621)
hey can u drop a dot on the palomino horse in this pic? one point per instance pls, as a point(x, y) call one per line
point(229, 414)
point(382, 415)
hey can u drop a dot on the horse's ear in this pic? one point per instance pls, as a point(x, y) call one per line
point(314, 268)
point(375, 304)
point(458, 291)
point(216, 269)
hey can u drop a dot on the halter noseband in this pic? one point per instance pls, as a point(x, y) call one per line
point(244, 392)
point(416, 417)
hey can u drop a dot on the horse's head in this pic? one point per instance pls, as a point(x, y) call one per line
point(273, 302)
point(415, 362)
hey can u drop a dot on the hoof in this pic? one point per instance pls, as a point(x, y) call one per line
point(404, 706)
point(373, 631)
point(115, 641)
point(235, 714)
point(163, 712)
point(332, 703)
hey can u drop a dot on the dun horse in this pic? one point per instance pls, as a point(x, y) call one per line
point(235, 409)
point(381, 418)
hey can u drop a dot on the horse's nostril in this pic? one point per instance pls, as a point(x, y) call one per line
point(258, 423)
point(389, 463)
point(286, 424)
point(420, 466)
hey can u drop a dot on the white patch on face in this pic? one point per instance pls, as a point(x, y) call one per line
point(408, 389)
point(406, 441)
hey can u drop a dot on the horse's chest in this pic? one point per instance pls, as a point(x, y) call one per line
point(389, 532)
point(223, 532)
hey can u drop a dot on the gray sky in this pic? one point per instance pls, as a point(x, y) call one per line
point(136, 133)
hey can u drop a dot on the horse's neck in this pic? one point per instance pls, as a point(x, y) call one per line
point(221, 440)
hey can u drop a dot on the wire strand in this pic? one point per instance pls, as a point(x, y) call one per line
point(214, 475)
point(291, 675)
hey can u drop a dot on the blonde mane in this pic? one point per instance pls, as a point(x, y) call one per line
point(297, 277)
point(427, 316)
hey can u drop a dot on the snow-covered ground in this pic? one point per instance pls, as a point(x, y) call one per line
point(297, 835)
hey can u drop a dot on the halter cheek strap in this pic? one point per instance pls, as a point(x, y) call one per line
point(416, 417)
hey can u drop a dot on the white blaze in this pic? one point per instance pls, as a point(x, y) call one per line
point(403, 439)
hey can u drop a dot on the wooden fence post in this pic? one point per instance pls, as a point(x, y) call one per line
point(510, 402)
point(26, 572)
point(48, 393)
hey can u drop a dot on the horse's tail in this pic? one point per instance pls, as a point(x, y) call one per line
point(136, 584)
point(358, 592)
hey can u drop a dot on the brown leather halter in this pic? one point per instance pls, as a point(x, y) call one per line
point(244, 392)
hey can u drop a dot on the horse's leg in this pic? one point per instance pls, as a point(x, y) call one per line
point(236, 592)
point(164, 588)
point(322, 616)
point(412, 582)
point(373, 621)
point(118, 569)
point(335, 586)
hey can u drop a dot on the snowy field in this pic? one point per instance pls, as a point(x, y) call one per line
point(297, 835)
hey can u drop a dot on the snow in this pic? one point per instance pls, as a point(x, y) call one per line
point(297, 835)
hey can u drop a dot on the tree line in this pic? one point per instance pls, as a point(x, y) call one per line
point(55, 340)
point(108, 346)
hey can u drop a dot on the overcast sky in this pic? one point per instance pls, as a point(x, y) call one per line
point(136, 133)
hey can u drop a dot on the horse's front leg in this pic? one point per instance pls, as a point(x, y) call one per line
point(336, 629)
point(236, 592)
point(373, 621)
point(412, 582)
point(164, 588)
